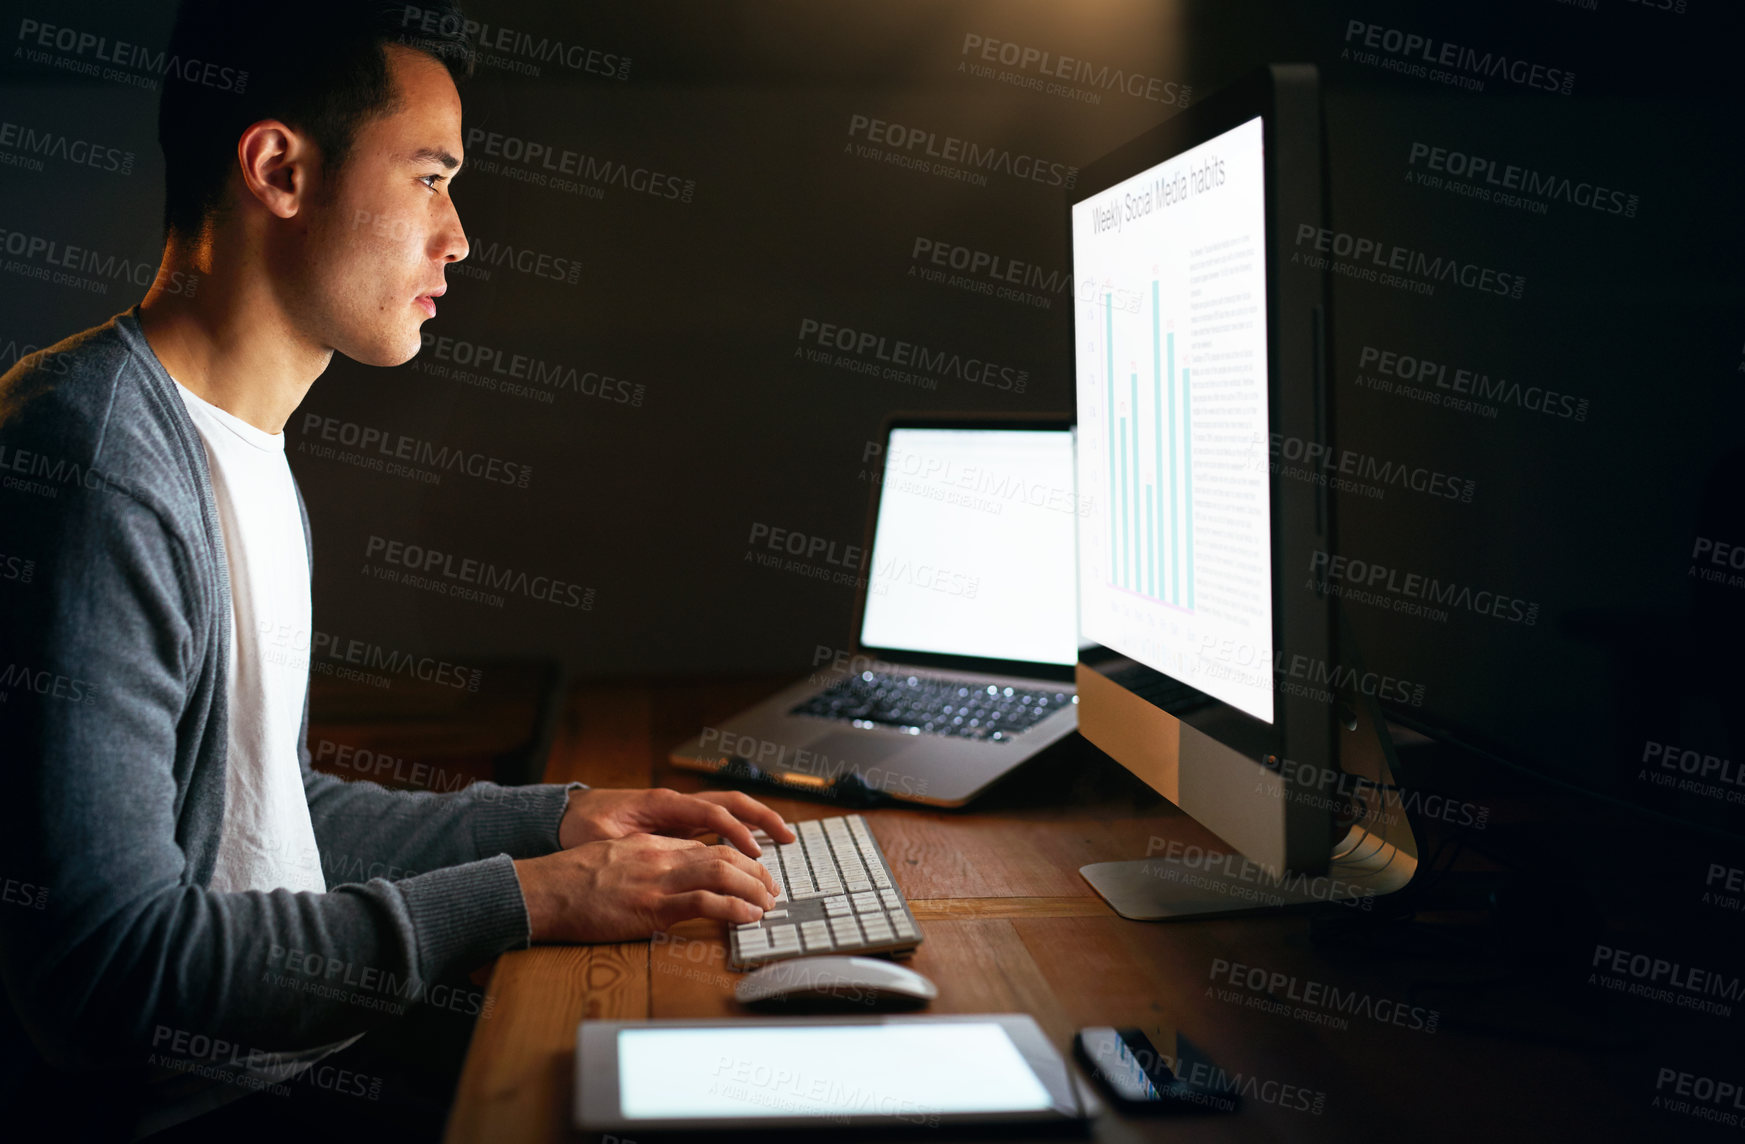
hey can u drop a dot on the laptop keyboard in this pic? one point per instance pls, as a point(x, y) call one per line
point(921, 705)
point(834, 894)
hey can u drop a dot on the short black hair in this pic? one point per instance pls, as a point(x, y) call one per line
point(319, 66)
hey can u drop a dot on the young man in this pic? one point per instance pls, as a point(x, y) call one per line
point(159, 798)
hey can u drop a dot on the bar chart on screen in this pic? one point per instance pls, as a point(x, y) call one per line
point(1169, 270)
point(1152, 553)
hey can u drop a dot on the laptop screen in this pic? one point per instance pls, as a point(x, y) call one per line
point(972, 550)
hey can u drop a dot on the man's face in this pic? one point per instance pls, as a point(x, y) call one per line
point(380, 236)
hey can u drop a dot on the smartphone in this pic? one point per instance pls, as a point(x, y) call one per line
point(1139, 1077)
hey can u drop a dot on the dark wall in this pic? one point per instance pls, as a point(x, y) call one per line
point(735, 199)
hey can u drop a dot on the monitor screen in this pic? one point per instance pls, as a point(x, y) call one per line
point(972, 547)
point(1174, 556)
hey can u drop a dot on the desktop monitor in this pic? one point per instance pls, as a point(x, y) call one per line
point(1199, 344)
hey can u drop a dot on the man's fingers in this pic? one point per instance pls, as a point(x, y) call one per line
point(748, 809)
point(689, 814)
point(664, 841)
point(722, 878)
point(727, 856)
point(737, 860)
point(706, 904)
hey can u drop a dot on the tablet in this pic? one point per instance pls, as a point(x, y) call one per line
point(820, 1072)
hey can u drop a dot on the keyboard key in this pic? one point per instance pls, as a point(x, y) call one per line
point(892, 900)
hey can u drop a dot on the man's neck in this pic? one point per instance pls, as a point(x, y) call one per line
point(226, 337)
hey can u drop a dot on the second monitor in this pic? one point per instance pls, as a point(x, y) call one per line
point(1197, 346)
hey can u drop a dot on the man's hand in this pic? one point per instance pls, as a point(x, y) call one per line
point(625, 889)
point(595, 815)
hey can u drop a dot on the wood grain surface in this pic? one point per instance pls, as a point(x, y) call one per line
point(1009, 925)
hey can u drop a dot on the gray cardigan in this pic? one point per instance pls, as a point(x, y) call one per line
point(114, 641)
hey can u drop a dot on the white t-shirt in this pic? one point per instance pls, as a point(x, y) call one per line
point(268, 840)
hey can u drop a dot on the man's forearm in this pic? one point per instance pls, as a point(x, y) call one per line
point(365, 830)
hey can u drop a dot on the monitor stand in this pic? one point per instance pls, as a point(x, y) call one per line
point(1378, 854)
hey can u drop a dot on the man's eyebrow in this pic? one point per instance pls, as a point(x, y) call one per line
point(434, 155)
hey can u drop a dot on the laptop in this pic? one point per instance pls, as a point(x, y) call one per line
point(967, 616)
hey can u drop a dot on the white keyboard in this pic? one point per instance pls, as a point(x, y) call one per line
point(834, 894)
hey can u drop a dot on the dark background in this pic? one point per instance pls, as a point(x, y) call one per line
point(696, 305)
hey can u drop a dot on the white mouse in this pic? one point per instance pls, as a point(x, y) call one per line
point(835, 984)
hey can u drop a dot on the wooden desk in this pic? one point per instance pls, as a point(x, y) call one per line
point(1010, 926)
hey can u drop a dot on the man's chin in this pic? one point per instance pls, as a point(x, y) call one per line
point(394, 352)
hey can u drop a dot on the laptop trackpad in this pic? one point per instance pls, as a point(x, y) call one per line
point(850, 749)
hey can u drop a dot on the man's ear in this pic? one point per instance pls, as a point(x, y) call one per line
point(279, 166)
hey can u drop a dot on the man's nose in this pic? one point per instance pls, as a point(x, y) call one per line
point(454, 246)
